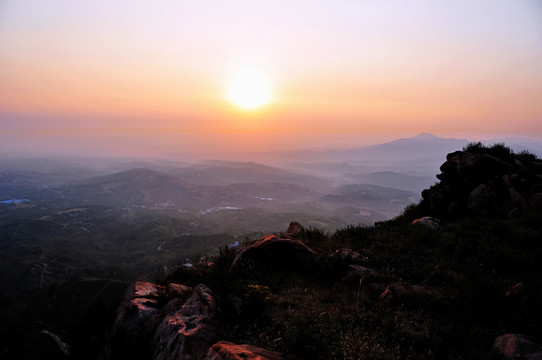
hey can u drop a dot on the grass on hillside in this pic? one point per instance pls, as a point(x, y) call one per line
point(499, 150)
point(450, 292)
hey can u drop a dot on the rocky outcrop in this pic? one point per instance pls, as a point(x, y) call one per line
point(273, 250)
point(225, 350)
point(515, 346)
point(158, 322)
point(188, 332)
point(294, 230)
point(174, 321)
point(485, 183)
point(140, 302)
point(138, 315)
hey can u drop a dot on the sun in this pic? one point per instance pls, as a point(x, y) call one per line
point(250, 89)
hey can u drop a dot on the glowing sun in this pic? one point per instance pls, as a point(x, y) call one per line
point(250, 89)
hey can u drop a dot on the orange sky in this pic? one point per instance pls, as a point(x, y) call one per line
point(135, 77)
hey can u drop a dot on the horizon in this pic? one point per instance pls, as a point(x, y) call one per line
point(409, 149)
point(152, 81)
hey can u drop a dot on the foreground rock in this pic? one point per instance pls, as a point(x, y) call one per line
point(144, 309)
point(138, 316)
point(188, 332)
point(174, 322)
point(225, 350)
point(177, 322)
point(515, 346)
point(282, 251)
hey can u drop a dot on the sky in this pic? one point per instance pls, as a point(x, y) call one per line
point(151, 78)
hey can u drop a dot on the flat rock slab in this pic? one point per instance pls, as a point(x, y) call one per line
point(273, 249)
point(225, 350)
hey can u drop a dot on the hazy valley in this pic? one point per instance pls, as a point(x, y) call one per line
point(141, 215)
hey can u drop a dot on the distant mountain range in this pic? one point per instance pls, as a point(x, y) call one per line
point(297, 177)
point(420, 155)
point(403, 152)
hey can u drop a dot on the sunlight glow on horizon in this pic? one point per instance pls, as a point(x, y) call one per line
point(356, 68)
point(250, 89)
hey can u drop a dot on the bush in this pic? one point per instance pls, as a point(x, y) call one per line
point(527, 156)
point(257, 298)
point(475, 147)
point(499, 150)
point(314, 237)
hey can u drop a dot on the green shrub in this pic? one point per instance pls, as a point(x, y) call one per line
point(527, 156)
point(475, 147)
point(499, 150)
point(314, 237)
point(257, 298)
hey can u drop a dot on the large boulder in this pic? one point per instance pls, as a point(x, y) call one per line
point(141, 301)
point(515, 346)
point(294, 230)
point(479, 183)
point(479, 197)
point(273, 250)
point(138, 315)
point(225, 350)
point(188, 332)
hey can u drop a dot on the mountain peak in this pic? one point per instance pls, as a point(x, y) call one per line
point(425, 136)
